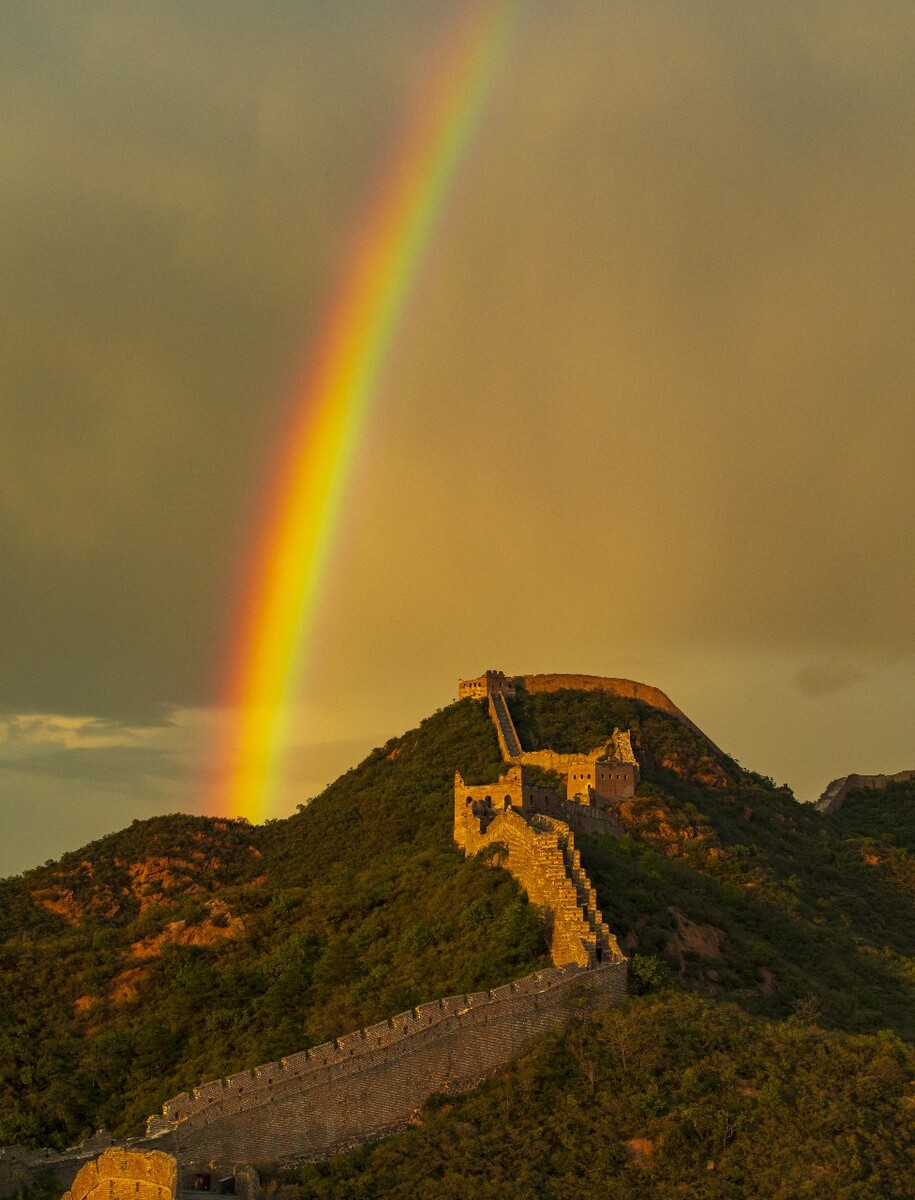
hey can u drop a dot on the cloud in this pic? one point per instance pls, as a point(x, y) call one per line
point(824, 679)
point(651, 404)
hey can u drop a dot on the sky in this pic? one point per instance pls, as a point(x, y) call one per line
point(649, 414)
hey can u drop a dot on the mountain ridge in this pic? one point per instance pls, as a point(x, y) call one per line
point(709, 892)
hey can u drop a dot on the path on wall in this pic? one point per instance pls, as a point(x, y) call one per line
point(509, 742)
point(601, 943)
point(833, 797)
point(539, 851)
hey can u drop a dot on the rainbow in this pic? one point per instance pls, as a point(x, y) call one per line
point(290, 560)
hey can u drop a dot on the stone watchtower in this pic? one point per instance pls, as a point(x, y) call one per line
point(488, 684)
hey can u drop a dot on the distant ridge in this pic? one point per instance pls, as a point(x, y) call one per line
point(629, 689)
point(834, 795)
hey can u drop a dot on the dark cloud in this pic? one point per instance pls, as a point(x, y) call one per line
point(651, 407)
point(823, 679)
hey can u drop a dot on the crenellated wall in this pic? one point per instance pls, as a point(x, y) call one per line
point(368, 1083)
point(540, 853)
point(833, 797)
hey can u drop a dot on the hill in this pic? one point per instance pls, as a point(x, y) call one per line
point(184, 948)
point(669, 1096)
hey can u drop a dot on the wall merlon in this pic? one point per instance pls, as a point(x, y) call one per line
point(426, 1013)
point(294, 1062)
point(176, 1108)
point(323, 1054)
point(351, 1043)
point(505, 992)
point(242, 1080)
point(477, 998)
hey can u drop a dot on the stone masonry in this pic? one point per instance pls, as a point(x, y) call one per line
point(121, 1174)
point(332, 1097)
point(540, 852)
point(609, 772)
point(834, 795)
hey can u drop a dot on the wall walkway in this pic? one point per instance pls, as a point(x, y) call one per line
point(833, 797)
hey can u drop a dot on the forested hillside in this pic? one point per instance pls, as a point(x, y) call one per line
point(670, 1096)
point(185, 948)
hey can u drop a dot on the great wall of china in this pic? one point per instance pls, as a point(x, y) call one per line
point(328, 1098)
point(320, 1101)
point(833, 797)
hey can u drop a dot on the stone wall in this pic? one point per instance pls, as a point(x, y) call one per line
point(540, 853)
point(313, 1104)
point(512, 790)
point(582, 818)
point(122, 1174)
point(342, 1094)
point(627, 688)
point(833, 797)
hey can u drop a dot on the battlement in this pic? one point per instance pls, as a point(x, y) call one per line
point(539, 850)
point(370, 1082)
point(490, 683)
point(834, 795)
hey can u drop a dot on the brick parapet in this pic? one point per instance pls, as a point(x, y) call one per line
point(834, 795)
point(370, 1082)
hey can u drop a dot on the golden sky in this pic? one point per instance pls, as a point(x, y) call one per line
point(651, 413)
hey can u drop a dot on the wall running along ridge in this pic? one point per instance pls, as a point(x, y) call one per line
point(540, 853)
point(369, 1083)
point(342, 1094)
point(316, 1103)
point(833, 797)
point(627, 688)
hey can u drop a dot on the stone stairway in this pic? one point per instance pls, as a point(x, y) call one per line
point(575, 904)
point(505, 726)
point(622, 746)
point(833, 796)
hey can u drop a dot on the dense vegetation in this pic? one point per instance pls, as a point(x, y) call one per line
point(747, 895)
point(184, 948)
point(352, 910)
point(669, 1096)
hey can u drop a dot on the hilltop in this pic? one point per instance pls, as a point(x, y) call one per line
point(185, 948)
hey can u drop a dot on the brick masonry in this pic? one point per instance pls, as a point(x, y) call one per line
point(121, 1174)
point(318, 1102)
point(833, 797)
